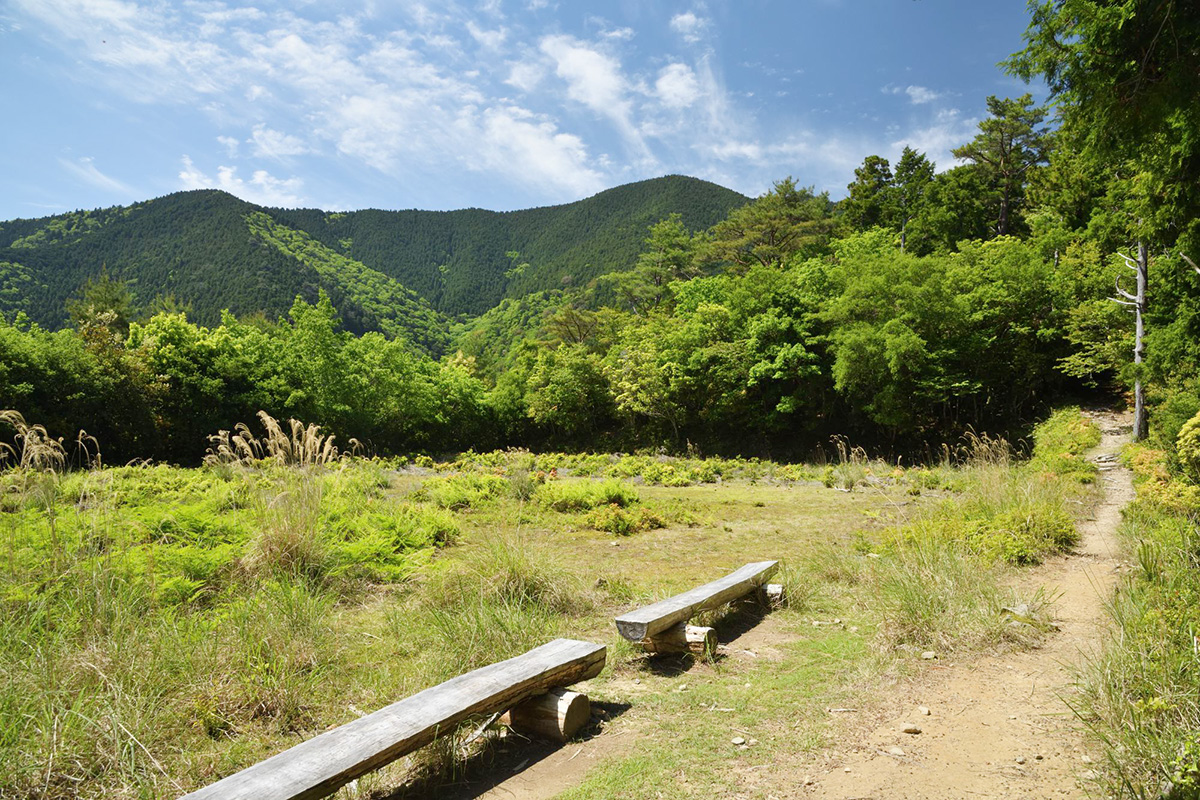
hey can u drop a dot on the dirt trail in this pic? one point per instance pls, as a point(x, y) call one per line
point(998, 727)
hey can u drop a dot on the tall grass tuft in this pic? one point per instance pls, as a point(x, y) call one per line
point(505, 596)
point(934, 593)
point(289, 539)
point(298, 445)
point(34, 449)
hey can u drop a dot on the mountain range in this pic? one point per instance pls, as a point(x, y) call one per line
point(405, 273)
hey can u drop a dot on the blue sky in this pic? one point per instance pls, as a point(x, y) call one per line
point(497, 104)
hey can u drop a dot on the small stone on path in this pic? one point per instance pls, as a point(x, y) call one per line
point(896, 751)
point(929, 655)
point(737, 740)
point(923, 711)
point(911, 728)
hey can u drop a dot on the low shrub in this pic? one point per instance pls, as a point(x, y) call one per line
point(460, 492)
point(616, 520)
point(566, 496)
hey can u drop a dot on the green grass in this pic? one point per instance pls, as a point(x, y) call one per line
point(1141, 695)
point(163, 627)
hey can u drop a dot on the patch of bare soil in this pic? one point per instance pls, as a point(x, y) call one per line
point(1002, 726)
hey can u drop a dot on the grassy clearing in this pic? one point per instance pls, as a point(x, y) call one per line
point(162, 627)
point(1142, 695)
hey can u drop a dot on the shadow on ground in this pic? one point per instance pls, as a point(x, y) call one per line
point(501, 759)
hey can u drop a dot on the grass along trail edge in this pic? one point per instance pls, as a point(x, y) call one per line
point(998, 726)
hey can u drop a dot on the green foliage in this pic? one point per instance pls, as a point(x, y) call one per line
point(1141, 691)
point(1188, 448)
point(567, 393)
point(566, 496)
point(193, 245)
point(616, 520)
point(1007, 149)
point(669, 256)
point(785, 222)
point(103, 302)
point(1059, 443)
point(458, 492)
point(369, 300)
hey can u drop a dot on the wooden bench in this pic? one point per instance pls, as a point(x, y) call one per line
point(662, 627)
point(529, 685)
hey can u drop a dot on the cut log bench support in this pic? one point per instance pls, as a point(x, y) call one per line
point(528, 686)
point(662, 627)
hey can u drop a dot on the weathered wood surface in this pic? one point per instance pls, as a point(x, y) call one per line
point(556, 715)
point(650, 620)
point(683, 638)
point(317, 767)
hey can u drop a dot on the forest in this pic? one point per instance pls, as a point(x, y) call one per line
point(923, 305)
point(453, 374)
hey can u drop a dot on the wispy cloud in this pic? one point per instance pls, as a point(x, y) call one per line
point(230, 144)
point(422, 90)
point(946, 131)
point(85, 170)
point(270, 143)
point(488, 39)
point(596, 80)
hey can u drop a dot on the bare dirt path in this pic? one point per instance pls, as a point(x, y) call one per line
point(998, 727)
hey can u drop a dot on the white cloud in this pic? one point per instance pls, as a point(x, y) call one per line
point(595, 79)
point(270, 143)
point(917, 95)
point(86, 170)
point(947, 130)
point(920, 95)
point(262, 189)
point(489, 40)
point(689, 26)
point(525, 75)
point(535, 152)
point(230, 144)
point(621, 34)
point(416, 104)
point(677, 86)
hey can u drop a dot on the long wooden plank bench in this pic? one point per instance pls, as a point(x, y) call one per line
point(319, 766)
point(662, 627)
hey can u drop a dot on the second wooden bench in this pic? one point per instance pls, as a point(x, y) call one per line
point(662, 627)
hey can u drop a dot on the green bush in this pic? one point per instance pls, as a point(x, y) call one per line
point(565, 496)
point(1024, 535)
point(458, 492)
point(1187, 446)
point(616, 520)
point(1060, 442)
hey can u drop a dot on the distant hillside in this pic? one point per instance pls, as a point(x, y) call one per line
point(457, 259)
point(402, 272)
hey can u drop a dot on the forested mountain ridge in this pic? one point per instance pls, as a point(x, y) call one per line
point(458, 260)
point(385, 270)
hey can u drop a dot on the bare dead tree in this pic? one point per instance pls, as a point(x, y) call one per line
point(1136, 302)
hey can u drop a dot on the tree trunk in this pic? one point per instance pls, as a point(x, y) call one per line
point(1139, 399)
